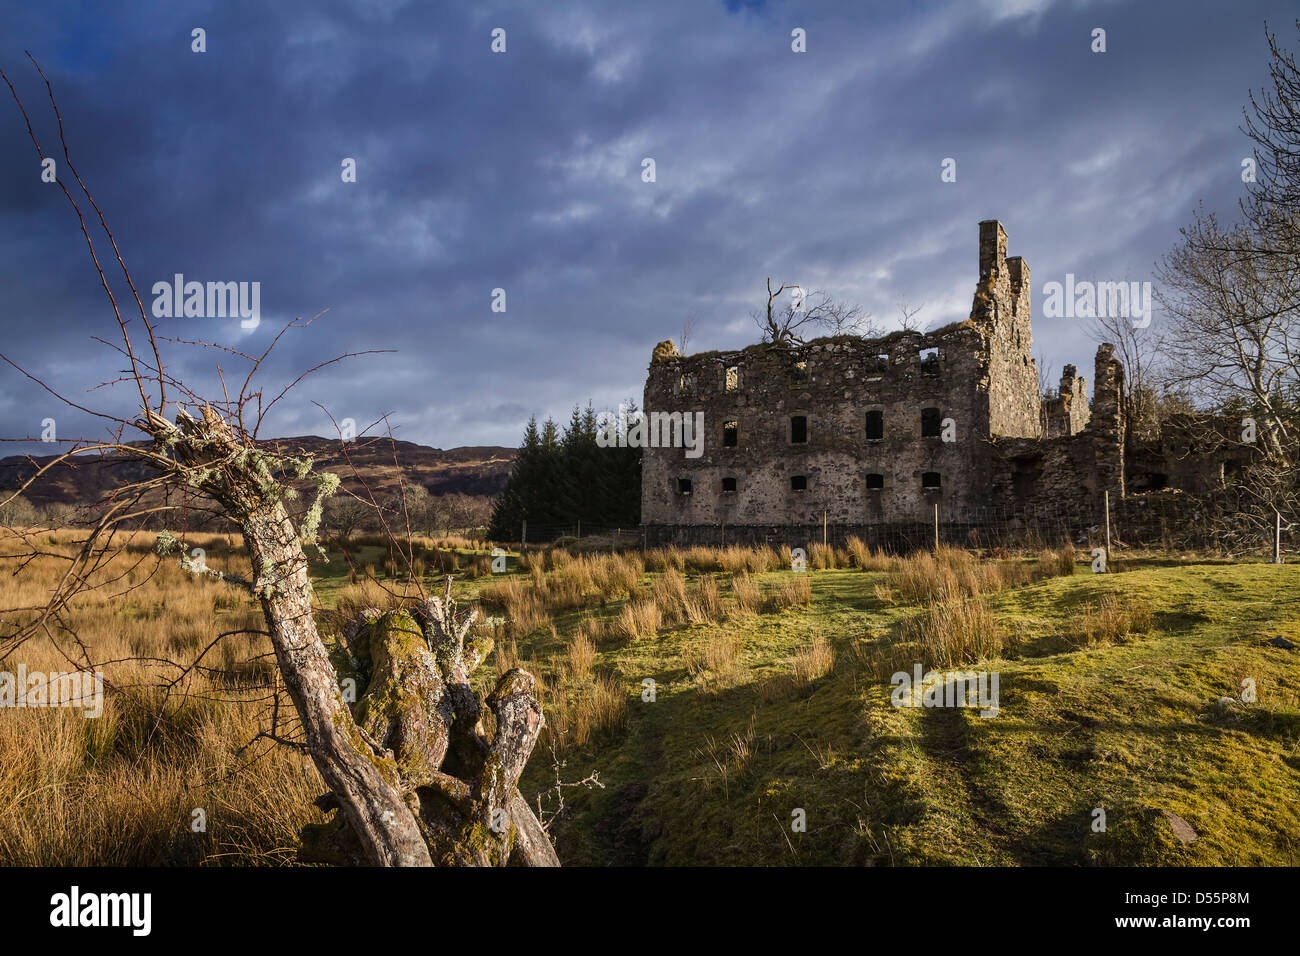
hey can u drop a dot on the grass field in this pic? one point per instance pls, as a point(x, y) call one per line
point(771, 696)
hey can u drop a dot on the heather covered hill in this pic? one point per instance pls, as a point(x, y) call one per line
point(378, 462)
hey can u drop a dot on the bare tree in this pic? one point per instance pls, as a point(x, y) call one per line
point(345, 514)
point(909, 321)
point(1233, 347)
point(413, 776)
point(1047, 385)
point(1272, 122)
point(788, 322)
point(1233, 294)
point(1234, 334)
point(688, 327)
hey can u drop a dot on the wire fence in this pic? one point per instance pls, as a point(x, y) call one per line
point(1163, 521)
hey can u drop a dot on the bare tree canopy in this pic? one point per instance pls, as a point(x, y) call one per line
point(1272, 122)
point(1232, 294)
point(792, 313)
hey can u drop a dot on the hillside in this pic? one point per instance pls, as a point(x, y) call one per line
point(471, 470)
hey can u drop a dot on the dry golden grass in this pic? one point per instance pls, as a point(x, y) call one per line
point(746, 594)
point(949, 633)
point(826, 558)
point(1111, 622)
point(704, 602)
point(639, 618)
point(505, 656)
point(925, 577)
point(951, 573)
point(578, 711)
point(792, 591)
point(523, 605)
point(865, 558)
point(662, 559)
point(813, 661)
point(1058, 562)
point(715, 657)
point(121, 789)
point(582, 656)
point(732, 559)
point(669, 595)
point(594, 629)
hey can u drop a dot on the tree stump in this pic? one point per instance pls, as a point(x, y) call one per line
point(411, 669)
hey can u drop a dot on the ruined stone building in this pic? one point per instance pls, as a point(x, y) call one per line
point(872, 433)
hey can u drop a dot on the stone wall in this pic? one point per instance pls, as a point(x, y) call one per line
point(1063, 475)
point(935, 399)
point(835, 386)
point(1194, 453)
point(1107, 423)
point(1067, 412)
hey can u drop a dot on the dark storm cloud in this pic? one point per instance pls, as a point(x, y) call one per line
point(523, 171)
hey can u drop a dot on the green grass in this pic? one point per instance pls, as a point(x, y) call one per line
point(712, 770)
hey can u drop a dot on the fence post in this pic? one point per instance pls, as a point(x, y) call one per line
point(1277, 536)
point(936, 527)
point(1106, 502)
point(823, 528)
point(523, 535)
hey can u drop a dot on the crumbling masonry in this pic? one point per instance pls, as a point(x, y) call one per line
point(870, 434)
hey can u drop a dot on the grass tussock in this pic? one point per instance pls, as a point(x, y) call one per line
point(866, 558)
point(794, 590)
point(579, 712)
point(1113, 622)
point(704, 603)
point(639, 619)
point(949, 573)
point(1057, 562)
point(950, 633)
point(746, 595)
point(811, 662)
point(715, 659)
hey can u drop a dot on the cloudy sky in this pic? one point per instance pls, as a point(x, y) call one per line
point(522, 171)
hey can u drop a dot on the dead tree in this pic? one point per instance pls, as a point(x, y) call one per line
point(418, 705)
point(413, 777)
point(788, 323)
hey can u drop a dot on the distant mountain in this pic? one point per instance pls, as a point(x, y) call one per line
point(476, 470)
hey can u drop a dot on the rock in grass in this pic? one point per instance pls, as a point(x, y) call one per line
point(1283, 643)
point(1182, 829)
